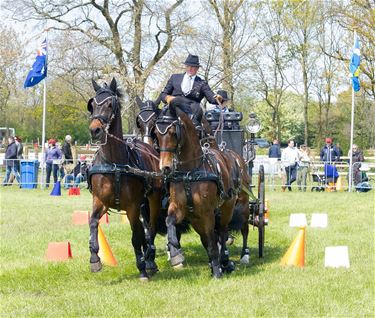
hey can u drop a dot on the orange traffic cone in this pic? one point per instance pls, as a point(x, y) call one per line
point(295, 256)
point(105, 252)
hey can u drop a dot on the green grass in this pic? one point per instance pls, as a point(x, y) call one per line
point(33, 287)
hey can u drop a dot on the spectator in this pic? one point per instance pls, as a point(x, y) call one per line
point(303, 167)
point(274, 151)
point(53, 158)
point(289, 158)
point(10, 158)
point(78, 174)
point(331, 175)
point(329, 152)
point(357, 158)
point(67, 150)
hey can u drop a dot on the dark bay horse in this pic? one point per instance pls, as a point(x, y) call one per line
point(201, 187)
point(146, 121)
point(121, 178)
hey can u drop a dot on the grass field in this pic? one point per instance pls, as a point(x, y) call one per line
point(32, 287)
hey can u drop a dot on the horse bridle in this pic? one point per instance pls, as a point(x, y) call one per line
point(114, 102)
point(162, 125)
point(146, 119)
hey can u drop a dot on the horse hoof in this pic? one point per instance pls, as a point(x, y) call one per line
point(217, 273)
point(229, 267)
point(178, 266)
point(143, 277)
point(245, 260)
point(177, 259)
point(230, 240)
point(96, 267)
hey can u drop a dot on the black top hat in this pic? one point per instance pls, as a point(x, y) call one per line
point(224, 95)
point(192, 60)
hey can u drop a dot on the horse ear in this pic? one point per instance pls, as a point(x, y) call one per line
point(89, 105)
point(138, 101)
point(113, 85)
point(95, 85)
point(157, 101)
point(172, 108)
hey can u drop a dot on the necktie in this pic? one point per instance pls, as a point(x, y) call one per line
point(186, 85)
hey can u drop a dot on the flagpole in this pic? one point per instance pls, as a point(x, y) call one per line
point(351, 135)
point(44, 119)
point(44, 129)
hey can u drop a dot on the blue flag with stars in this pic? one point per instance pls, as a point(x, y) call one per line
point(354, 66)
point(39, 69)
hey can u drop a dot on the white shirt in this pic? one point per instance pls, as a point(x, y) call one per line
point(187, 83)
point(289, 156)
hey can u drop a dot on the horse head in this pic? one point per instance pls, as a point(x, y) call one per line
point(104, 107)
point(168, 130)
point(146, 119)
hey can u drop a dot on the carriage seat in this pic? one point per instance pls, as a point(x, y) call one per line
point(231, 119)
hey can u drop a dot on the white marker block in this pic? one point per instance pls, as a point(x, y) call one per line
point(319, 220)
point(336, 256)
point(297, 220)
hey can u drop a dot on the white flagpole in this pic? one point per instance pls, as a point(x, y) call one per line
point(44, 118)
point(44, 129)
point(351, 136)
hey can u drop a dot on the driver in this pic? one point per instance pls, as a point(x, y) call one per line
point(192, 87)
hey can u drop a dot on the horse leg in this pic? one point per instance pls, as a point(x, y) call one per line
point(153, 211)
point(206, 230)
point(98, 210)
point(138, 241)
point(176, 257)
point(245, 257)
point(227, 265)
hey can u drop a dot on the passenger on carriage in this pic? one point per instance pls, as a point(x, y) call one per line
point(224, 105)
point(229, 124)
point(192, 87)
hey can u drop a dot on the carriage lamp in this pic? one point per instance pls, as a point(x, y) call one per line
point(254, 125)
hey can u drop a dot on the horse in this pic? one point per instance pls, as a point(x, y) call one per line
point(148, 113)
point(201, 188)
point(121, 178)
point(146, 121)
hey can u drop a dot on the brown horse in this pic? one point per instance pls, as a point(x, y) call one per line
point(121, 178)
point(201, 187)
point(146, 120)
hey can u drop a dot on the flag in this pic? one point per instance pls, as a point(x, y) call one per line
point(354, 66)
point(39, 69)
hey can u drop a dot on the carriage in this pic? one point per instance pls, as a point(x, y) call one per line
point(230, 134)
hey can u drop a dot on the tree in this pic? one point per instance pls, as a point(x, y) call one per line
point(152, 27)
point(300, 18)
point(227, 15)
point(269, 63)
point(10, 57)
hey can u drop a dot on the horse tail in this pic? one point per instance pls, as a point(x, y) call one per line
point(238, 218)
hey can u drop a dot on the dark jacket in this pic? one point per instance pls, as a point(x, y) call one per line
point(67, 151)
point(329, 154)
point(200, 89)
point(11, 153)
point(274, 151)
point(80, 168)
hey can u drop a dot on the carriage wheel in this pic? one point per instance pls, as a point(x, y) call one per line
point(261, 198)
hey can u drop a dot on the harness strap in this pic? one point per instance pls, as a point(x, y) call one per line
point(117, 188)
point(189, 196)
